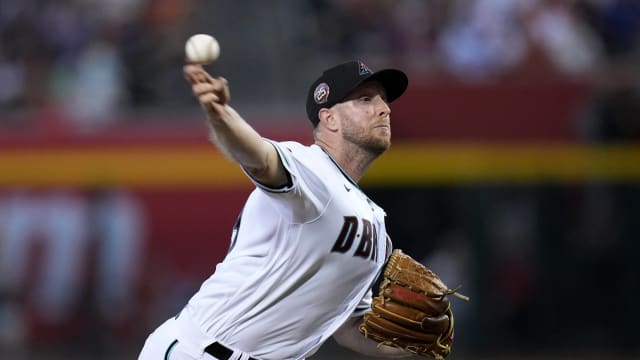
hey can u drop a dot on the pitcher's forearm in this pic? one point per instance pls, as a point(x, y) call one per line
point(230, 133)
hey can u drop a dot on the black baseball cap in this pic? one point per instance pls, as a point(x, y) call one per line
point(337, 82)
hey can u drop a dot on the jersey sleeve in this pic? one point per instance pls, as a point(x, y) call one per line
point(305, 195)
point(364, 305)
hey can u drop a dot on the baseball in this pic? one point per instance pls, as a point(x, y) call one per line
point(202, 49)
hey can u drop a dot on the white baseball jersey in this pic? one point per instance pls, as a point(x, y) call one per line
point(302, 260)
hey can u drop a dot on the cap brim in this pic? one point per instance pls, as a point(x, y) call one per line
point(394, 81)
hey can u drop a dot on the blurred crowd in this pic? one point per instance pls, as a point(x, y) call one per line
point(93, 59)
point(486, 38)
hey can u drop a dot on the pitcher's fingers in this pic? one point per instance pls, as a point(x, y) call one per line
point(190, 78)
point(203, 77)
point(202, 88)
point(190, 71)
point(209, 98)
point(218, 86)
point(197, 78)
point(222, 89)
point(196, 74)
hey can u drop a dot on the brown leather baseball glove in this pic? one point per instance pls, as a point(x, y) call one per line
point(412, 310)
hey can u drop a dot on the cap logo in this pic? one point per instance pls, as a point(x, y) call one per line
point(364, 69)
point(321, 93)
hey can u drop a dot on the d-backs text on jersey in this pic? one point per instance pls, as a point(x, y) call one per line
point(368, 244)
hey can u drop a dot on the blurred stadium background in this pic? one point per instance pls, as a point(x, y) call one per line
point(515, 169)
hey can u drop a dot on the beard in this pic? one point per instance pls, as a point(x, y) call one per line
point(373, 143)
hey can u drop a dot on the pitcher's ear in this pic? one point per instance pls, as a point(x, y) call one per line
point(328, 119)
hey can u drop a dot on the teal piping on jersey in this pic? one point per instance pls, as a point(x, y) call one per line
point(286, 187)
point(166, 354)
point(284, 158)
point(340, 168)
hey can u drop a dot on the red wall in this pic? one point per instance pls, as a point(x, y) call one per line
point(489, 112)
